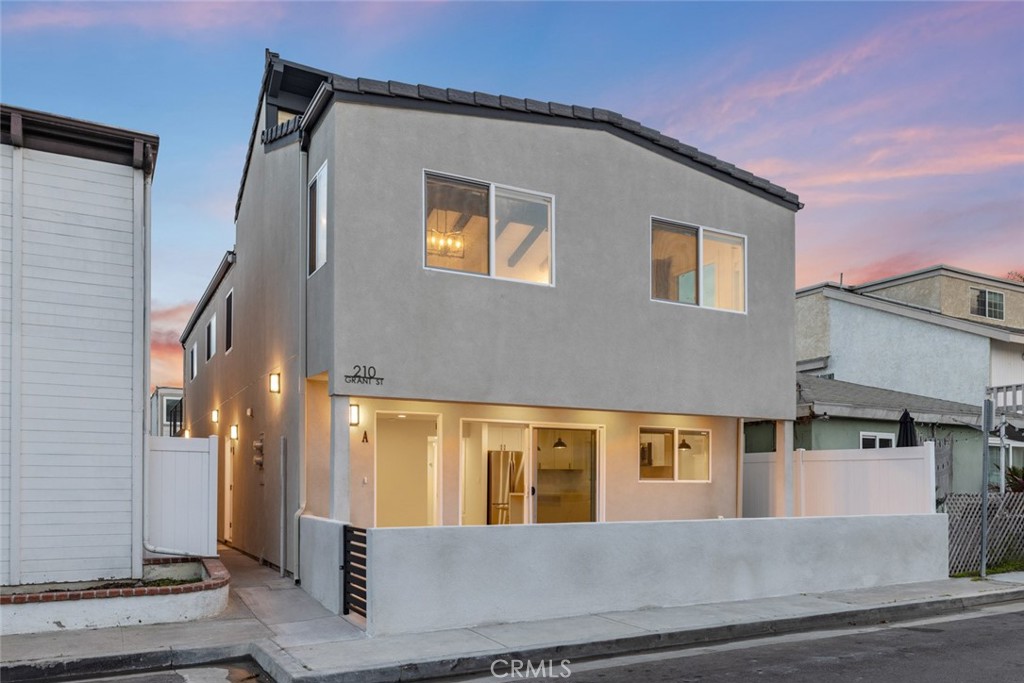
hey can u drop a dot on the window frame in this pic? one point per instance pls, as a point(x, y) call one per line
point(164, 400)
point(491, 237)
point(229, 320)
point(676, 433)
point(211, 337)
point(974, 291)
point(193, 361)
point(313, 255)
point(701, 229)
point(876, 436)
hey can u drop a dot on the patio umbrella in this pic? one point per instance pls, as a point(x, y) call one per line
point(907, 435)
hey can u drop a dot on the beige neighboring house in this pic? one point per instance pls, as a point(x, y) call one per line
point(165, 411)
point(74, 330)
point(941, 332)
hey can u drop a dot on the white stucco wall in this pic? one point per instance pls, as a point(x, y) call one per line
point(879, 349)
point(448, 577)
point(319, 559)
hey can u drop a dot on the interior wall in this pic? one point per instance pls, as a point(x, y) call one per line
point(474, 502)
point(402, 471)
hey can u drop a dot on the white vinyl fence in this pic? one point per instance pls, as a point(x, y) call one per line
point(882, 481)
point(181, 496)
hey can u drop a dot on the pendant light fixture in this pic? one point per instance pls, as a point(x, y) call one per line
point(559, 444)
point(683, 446)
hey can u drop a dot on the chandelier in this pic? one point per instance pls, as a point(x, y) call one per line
point(444, 242)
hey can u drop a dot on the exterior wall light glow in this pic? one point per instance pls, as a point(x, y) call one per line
point(275, 382)
point(188, 433)
point(215, 416)
point(234, 432)
point(353, 414)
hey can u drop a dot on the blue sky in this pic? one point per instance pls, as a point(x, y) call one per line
point(900, 125)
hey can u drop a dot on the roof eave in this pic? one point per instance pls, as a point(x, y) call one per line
point(222, 270)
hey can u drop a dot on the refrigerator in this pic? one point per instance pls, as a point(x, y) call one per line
point(505, 487)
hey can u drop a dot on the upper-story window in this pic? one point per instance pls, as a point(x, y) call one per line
point(488, 229)
point(986, 303)
point(229, 320)
point(193, 361)
point(211, 338)
point(719, 282)
point(317, 211)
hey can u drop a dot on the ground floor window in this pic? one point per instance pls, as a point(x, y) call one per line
point(877, 440)
point(670, 454)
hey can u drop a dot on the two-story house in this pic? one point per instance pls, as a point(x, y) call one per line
point(453, 308)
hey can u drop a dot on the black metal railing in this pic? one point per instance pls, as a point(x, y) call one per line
point(353, 577)
point(174, 414)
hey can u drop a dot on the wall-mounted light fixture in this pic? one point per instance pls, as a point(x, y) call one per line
point(215, 416)
point(188, 433)
point(353, 415)
point(275, 382)
point(234, 432)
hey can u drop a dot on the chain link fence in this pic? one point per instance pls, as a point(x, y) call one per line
point(1005, 530)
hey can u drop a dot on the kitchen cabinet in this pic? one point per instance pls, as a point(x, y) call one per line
point(503, 437)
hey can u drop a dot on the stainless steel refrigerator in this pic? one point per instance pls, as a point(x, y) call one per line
point(505, 488)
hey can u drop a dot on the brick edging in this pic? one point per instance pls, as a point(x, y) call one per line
point(215, 569)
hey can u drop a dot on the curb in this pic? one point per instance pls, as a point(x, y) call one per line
point(286, 669)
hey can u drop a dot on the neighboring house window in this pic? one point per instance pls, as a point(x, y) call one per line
point(986, 303)
point(229, 319)
point(317, 210)
point(721, 280)
point(668, 454)
point(877, 440)
point(170, 404)
point(488, 229)
point(193, 357)
point(211, 338)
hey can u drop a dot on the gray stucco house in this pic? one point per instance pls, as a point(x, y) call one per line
point(453, 308)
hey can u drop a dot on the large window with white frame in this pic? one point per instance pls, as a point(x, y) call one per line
point(986, 303)
point(877, 440)
point(488, 229)
point(671, 454)
point(316, 210)
point(699, 266)
point(211, 338)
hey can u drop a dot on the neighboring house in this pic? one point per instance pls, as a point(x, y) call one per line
point(452, 308)
point(940, 332)
point(165, 411)
point(74, 299)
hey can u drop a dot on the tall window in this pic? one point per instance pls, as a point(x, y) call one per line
point(211, 338)
point(668, 454)
point(720, 279)
point(317, 212)
point(193, 361)
point(229, 319)
point(986, 303)
point(487, 229)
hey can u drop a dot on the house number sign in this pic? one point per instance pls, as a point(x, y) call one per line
point(364, 374)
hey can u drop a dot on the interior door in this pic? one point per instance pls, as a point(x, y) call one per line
point(564, 475)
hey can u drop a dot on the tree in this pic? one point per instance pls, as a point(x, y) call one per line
point(1015, 275)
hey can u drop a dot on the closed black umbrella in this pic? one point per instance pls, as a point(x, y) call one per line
point(908, 433)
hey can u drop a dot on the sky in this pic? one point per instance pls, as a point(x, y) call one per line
point(899, 125)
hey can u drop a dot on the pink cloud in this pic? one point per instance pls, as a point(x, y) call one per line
point(165, 354)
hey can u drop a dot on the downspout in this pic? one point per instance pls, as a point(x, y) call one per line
point(301, 388)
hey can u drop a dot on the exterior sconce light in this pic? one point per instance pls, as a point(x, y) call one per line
point(353, 415)
point(275, 382)
point(234, 432)
point(188, 433)
point(215, 416)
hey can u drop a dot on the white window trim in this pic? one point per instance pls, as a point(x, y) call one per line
point(211, 337)
point(491, 187)
point(985, 315)
point(675, 456)
point(163, 407)
point(229, 321)
point(193, 361)
point(700, 263)
point(877, 436)
point(319, 176)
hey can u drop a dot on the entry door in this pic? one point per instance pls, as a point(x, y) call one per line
point(565, 475)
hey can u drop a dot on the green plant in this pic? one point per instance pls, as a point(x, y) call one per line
point(1015, 479)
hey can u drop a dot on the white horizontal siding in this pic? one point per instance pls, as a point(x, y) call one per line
point(6, 264)
point(78, 339)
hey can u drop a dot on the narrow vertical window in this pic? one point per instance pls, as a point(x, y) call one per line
point(724, 285)
point(229, 319)
point(522, 236)
point(317, 211)
point(192, 361)
point(211, 338)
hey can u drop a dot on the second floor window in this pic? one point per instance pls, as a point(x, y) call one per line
point(487, 229)
point(317, 211)
point(986, 303)
point(229, 320)
point(193, 365)
point(211, 338)
point(698, 266)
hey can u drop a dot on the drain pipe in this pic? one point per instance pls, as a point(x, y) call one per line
point(301, 379)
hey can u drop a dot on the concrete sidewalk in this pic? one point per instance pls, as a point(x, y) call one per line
point(295, 639)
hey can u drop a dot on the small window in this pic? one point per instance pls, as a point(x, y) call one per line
point(211, 338)
point(986, 303)
point(668, 454)
point(720, 279)
point(487, 229)
point(229, 319)
point(317, 209)
point(170, 404)
point(877, 440)
point(193, 357)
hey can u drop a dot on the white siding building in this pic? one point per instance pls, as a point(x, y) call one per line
point(74, 291)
